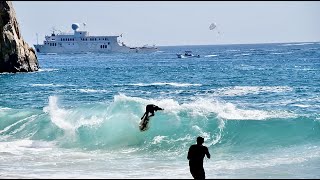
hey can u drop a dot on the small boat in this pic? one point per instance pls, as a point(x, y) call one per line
point(187, 54)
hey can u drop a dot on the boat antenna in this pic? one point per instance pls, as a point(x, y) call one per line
point(84, 25)
point(37, 38)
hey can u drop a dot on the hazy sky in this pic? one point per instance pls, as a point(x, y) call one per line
point(175, 22)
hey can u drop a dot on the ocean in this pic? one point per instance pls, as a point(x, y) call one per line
point(257, 107)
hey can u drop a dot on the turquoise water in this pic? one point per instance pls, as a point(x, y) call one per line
point(257, 106)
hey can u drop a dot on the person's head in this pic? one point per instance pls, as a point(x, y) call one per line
point(200, 140)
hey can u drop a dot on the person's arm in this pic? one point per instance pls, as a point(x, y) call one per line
point(207, 153)
point(157, 108)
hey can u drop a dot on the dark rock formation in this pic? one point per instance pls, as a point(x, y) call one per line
point(15, 54)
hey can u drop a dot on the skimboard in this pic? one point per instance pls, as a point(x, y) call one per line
point(144, 124)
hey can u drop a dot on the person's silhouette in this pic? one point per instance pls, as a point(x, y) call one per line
point(196, 154)
point(150, 108)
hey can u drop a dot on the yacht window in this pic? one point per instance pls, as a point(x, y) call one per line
point(108, 43)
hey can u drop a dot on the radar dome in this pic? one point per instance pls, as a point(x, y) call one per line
point(75, 26)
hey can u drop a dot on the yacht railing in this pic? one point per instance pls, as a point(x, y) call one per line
point(64, 33)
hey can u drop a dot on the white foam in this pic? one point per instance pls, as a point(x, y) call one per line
point(211, 55)
point(19, 147)
point(93, 91)
point(282, 156)
point(282, 53)
point(232, 50)
point(158, 139)
point(301, 105)
point(230, 111)
point(305, 69)
point(58, 115)
point(243, 54)
point(68, 120)
point(46, 85)
point(123, 97)
point(165, 83)
point(169, 105)
point(47, 70)
point(206, 106)
point(244, 90)
point(4, 108)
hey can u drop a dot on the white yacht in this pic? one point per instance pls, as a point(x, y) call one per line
point(82, 42)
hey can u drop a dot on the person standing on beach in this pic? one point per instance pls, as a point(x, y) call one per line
point(196, 154)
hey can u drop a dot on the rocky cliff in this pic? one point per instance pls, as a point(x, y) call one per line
point(15, 54)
